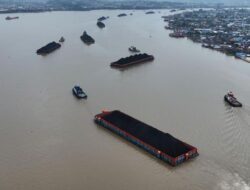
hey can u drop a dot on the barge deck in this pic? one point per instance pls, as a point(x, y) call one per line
point(161, 145)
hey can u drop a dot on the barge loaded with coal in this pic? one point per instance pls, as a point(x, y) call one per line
point(100, 24)
point(102, 18)
point(122, 15)
point(87, 39)
point(161, 145)
point(150, 12)
point(50, 47)
point(132, 60)
point(11, 18)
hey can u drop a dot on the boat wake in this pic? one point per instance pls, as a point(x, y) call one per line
point(244, 115)
point(234, 135)
point(239, 116)
point(231, 131)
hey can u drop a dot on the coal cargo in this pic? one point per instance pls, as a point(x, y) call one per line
point(162, 145)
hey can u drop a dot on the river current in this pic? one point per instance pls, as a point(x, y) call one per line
point(48, 140)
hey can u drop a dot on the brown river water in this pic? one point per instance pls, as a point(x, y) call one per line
point(48, 140)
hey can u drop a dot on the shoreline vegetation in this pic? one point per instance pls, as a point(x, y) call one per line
point(223, 30)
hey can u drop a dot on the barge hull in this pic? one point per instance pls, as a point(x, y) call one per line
point(173, 161)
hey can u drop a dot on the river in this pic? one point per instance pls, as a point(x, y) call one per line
point(48, 140)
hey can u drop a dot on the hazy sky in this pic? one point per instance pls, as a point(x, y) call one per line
point(214, 1)
point(193, 1)
point(186, 0)
point(235, 2)
point(199, 1)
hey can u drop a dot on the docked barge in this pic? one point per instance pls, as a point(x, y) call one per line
point(161, 145)
point(132, 60)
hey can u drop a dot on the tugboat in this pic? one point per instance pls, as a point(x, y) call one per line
point(62, 39)
point(133, 49)
point(232, 100)
point(78, 92)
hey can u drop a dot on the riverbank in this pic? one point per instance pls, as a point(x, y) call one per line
point(224, 30)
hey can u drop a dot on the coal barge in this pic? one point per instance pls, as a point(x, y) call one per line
point(50, 47)
point(11, 18)
point(87, 39)
point(132, 60)
point(100, 24)
point(122, 15)
point(161, 145)
point(102, 18)
point(150, 12)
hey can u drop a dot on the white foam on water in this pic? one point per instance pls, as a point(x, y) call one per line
point(233, 182)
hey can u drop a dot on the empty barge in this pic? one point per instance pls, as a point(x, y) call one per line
point(132, 60)
point(161, 145)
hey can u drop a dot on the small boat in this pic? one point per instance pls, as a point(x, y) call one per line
point(62, 39)
point(232, 100)
point(133, 49)
point(78, 92)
